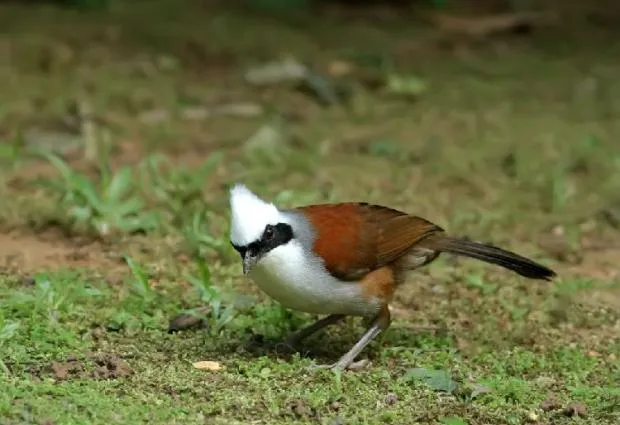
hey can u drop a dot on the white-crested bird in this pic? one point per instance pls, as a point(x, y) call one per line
point(345, 259)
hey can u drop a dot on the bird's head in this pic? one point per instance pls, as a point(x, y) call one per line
point(257, 226)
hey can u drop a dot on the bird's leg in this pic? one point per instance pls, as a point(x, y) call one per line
point(380, 323)
point(304, 333)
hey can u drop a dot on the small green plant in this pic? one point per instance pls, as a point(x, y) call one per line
point(199, 239)
point(140, 282)
point(175, 187)
point(476, 281)
point(49, 300)
point(8, 329)
point(438, 380)
point(561, 188)
point(107, 206)
point(178, 192)
point(220, 314)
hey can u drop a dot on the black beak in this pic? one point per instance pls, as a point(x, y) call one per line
point(249, 260)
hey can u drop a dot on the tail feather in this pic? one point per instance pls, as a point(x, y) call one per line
point(491, 254)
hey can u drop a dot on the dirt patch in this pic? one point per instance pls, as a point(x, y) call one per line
point(26, 253)
point(601, 264)
point(111, 367)
point(603, 297)
point(62, 371)
point(106, 366)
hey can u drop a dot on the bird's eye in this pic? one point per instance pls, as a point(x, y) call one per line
point(268, 232)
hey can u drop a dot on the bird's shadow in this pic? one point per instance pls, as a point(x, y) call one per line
point(329, 344)
point(325, 346)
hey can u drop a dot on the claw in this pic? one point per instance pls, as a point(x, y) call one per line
point(326, 366)
point(354, 366)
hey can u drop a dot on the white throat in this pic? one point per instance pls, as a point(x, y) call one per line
point(297, 279)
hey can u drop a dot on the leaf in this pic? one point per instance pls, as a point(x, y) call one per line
point(85, 188)
point(439, 380)
point(58, 163)
point(8, 330)
point(210, 164)
point(480, 389)
point(82, 214)
point(128, 207)
point(120, 184)
point(142, 280)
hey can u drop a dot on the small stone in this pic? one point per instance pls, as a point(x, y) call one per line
point(575, 409)
point(189, 320)
point(28, 281)
point(390, 399)
point(300, 408)
point(551, 403)
point(184, 322)
point(532, 417)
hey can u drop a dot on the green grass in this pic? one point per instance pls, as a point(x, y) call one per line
point(518, 149)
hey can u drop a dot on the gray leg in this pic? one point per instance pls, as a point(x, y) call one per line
point(304, 333)
point(380, 323)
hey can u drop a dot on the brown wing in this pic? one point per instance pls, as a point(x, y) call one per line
point(355, 238)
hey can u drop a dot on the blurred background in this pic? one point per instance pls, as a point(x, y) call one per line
point(497, 117)
point(123, 124)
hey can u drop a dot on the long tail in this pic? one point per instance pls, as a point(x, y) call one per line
point(490, 254)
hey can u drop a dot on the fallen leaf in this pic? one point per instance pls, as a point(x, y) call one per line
point(208, 365)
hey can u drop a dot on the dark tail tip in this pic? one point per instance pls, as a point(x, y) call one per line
point(532, 270)
point(491, 254)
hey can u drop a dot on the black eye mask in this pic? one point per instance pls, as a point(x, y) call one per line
point(272, 237)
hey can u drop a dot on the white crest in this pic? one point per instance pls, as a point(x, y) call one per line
point(249, 215)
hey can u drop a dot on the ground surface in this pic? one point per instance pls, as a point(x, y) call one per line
point(510, 139)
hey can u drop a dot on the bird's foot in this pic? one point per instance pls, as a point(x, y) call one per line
point(336, 365)
point(353, 366)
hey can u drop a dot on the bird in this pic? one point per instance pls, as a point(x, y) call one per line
point(345, 259)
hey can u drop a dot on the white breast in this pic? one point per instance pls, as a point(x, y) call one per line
point(300, 281)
